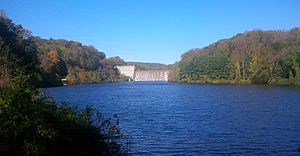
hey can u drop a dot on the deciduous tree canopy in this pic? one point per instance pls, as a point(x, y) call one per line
point(52, 60)
point(260, 57)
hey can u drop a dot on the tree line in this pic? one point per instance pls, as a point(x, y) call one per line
point(255, 57)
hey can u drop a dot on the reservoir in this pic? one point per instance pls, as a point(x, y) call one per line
point(161, 118)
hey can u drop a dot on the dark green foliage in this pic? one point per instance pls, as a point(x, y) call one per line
point(31, 124)
point(205, 68)
point(16, 50)
point(260, 57)
point(209, 67)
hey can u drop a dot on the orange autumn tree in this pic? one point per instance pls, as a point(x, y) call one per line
point(54, 64)
point(53, 68)
point(53, 56)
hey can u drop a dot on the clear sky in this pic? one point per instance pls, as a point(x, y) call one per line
point(150, 30)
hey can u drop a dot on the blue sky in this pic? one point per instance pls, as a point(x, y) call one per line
point(150, 30)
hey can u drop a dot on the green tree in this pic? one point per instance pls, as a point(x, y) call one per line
point(236, 69)
point(16, 50)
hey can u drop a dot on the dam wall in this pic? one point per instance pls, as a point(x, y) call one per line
point(151, 75)
point(127, 71)
point(143, 75)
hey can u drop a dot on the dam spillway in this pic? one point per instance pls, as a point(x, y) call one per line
point(143, 75)
point(151, 75)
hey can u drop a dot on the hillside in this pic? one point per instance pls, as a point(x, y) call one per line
point(76, 62)
point(256, 57)
point(150, 66)
point(52, 60)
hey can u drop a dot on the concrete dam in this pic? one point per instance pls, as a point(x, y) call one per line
point(143, 75)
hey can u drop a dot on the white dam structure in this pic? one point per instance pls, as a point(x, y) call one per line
point(151, 75)
point(127, 71)
point(143, 75)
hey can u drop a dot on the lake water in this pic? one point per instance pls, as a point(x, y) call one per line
point(190, 119)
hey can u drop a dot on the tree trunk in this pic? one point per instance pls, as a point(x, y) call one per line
point(244, 72)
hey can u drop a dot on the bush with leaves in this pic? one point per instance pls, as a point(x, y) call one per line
point(32, 124)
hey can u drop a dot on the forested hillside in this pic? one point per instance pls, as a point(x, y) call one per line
point(52, 60)
point(256, 57)
point(76, 62)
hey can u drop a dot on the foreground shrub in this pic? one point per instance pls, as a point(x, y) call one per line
point(31, 124)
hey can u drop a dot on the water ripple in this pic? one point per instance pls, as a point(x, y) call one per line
point(185, 119)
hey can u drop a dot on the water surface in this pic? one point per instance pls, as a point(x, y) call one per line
point(189, 119)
